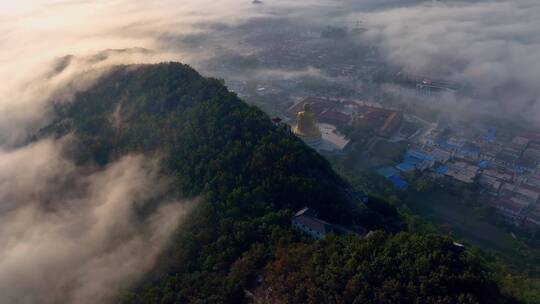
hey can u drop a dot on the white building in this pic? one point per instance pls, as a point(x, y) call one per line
point(306, 221)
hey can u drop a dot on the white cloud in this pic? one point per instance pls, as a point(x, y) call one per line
point(70, 236)
point(490, 46)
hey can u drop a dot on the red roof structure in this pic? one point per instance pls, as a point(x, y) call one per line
point(334, 117)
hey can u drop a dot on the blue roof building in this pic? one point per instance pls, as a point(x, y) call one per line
point(387, 172)
point(447, 145)
point(470, 150)
point(418, 159)
point(418, 155)
point(399, 182)
point(406, 167)
point(442, 170)
point(491, 134)
point(393, 176)
point(483, 164)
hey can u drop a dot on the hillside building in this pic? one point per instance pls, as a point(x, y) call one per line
point(306, 221)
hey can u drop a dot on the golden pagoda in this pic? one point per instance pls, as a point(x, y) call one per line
point(306, 127)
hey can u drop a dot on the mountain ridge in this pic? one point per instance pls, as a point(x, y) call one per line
point(251, 176)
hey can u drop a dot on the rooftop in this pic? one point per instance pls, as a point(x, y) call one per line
point(416, 156)
point(331, 139)
point(332, 116)
point(314, 223)
point(306, 211)
point(387, 172)
point(399, 182)
point(405, 167)
point(521, 141)
point(462, 172)
point(442, 170)
point(509, 205)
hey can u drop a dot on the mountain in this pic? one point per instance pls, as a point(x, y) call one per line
point(250, 176)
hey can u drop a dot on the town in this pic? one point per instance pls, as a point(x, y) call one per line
point(505, 166)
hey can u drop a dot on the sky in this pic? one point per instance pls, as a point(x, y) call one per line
point(492, 46)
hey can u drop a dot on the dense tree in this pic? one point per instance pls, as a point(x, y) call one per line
point(404, 268)
point(250, 176)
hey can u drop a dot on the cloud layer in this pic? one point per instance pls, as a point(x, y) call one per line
point(491, 47)
point(70, 236)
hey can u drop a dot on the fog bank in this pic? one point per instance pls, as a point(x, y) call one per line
point(70, 236)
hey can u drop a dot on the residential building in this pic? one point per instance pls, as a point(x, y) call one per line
point(462, 171)
point(520, 194)
point(440, 156)
point(519, 144)
point(533, 219)
point(491, 184)
point(509, 209)
point(499, 175)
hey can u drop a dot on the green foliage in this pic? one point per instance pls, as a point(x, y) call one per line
point(526, 289)
point(404, 268)
point(250, 176)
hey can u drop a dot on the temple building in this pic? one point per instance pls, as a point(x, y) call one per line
point(322, 137)
point(306, 127)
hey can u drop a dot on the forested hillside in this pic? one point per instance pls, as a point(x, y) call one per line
point(251, 176)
